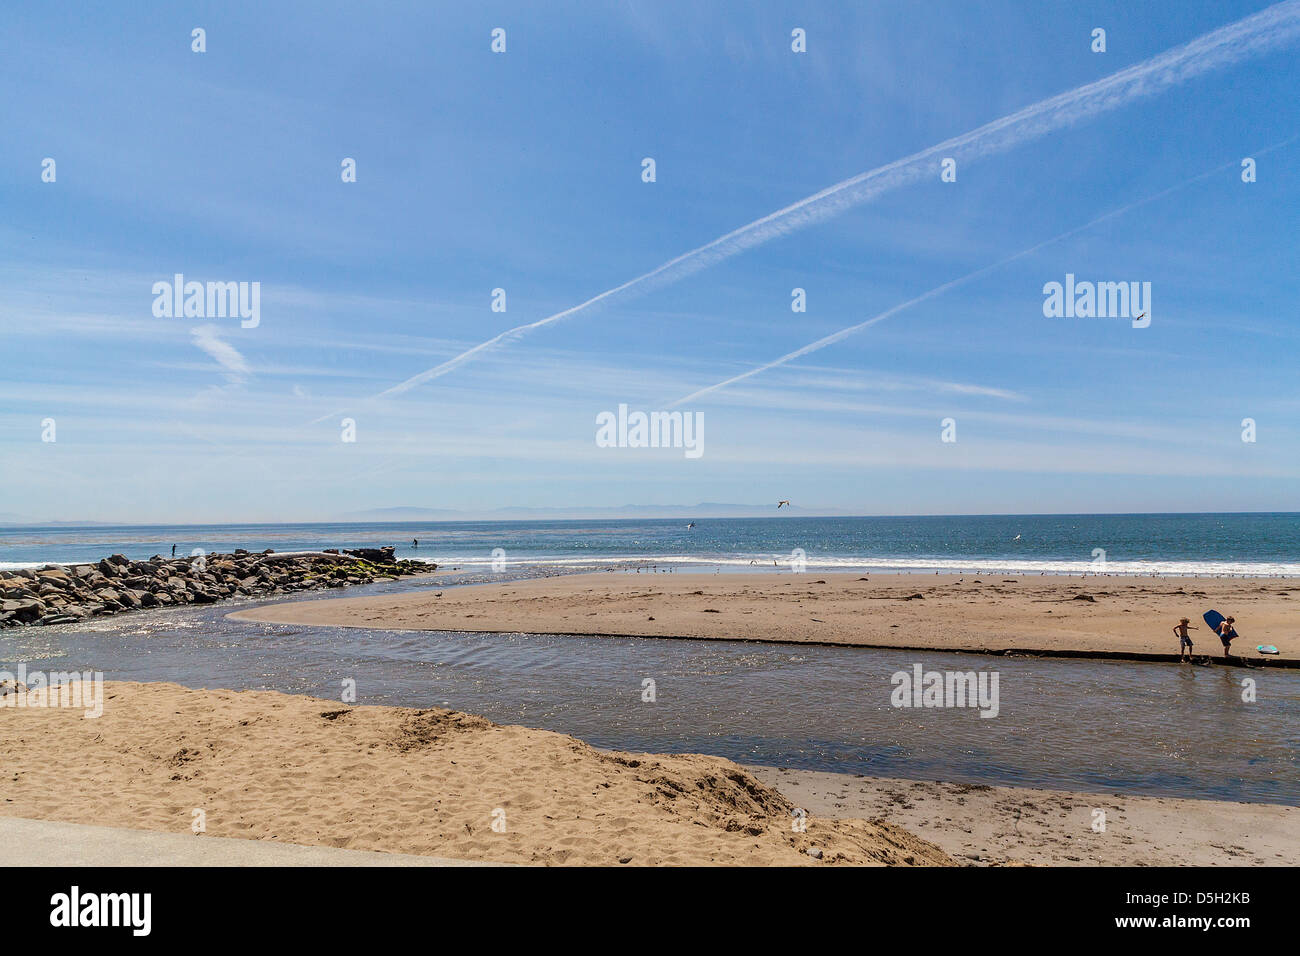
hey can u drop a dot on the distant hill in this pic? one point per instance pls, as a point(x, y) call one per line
point(704, 509)
point(18, 521)
point(405, 513)
point(402, 514)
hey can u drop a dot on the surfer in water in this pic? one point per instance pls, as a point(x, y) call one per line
point(1184, 639)
point(1226, 633)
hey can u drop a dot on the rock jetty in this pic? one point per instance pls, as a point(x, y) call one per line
point(64, 594)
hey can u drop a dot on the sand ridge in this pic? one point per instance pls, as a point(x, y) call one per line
point(1122, 616)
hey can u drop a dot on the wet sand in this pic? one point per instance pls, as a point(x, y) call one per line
point(1070, 616)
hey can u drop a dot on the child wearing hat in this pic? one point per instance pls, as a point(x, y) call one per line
point(1184, 639)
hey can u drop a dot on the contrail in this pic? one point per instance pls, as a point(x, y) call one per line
point(962, 280)
point(1271, 27)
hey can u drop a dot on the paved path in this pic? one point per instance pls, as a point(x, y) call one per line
point(50, 843)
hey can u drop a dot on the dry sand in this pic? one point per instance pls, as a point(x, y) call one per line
point(1130, 617)
point(983, 825)
point(303, 770)
point(269, 766)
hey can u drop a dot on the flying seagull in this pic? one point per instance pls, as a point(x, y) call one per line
point(783, 501)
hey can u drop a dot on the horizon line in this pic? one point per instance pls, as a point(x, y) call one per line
point(630, 517)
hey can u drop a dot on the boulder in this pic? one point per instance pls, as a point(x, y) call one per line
point(379, 555)
point(28, 609)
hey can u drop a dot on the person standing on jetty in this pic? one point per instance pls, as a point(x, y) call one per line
point(1184, 639)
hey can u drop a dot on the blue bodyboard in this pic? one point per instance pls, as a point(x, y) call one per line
point(1213, 619)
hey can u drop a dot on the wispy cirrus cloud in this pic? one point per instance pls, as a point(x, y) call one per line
point(234, 366)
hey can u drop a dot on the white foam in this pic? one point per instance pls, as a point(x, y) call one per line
point(908, 564)
point(832, 563)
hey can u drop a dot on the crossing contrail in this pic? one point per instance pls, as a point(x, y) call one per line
point(1272, 27)
point(962, 280)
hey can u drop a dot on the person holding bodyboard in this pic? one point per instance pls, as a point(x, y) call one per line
point(1223, 626)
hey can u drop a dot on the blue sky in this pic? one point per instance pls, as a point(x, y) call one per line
point(522, 171)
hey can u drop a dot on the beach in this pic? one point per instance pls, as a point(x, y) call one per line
point(432, 782)
point(1097, 616)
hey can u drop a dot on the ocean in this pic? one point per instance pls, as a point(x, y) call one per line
point(1166, 544)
